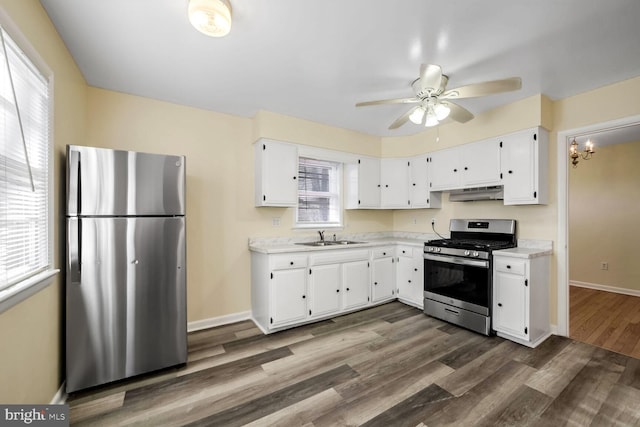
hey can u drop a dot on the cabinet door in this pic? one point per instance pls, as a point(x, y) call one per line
point(355, 284)
point(419, 183)
point(383, 279)
point(276, 169)
point(511, 305)
point(394, 183)
point(445, 173)
point(519, 168)
point(368, 183)
point(324, 289)
point(288, 296)
point(480, 163)
point(409, 278)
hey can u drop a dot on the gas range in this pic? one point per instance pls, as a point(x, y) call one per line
point(475, 238)
point(458, 271)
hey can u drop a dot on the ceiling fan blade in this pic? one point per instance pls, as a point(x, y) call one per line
point(403, 118)
point(430, 78)
point(413, 100)
point(484, 88)
point(458, 113)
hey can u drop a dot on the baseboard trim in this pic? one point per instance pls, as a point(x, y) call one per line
point(198, 325)
point(554, 329)
point(61, 396)
point(597, 287)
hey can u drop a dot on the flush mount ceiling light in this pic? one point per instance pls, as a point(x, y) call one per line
point(210, 17)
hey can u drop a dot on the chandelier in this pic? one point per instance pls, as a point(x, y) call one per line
point(575, 153)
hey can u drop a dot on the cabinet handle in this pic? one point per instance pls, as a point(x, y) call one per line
point(508, 266)
point(403, 252)
point(304, 296)
point(466, 168)
point(387, 185)
point(510, 171)
point(409, 281)
point(295, 177)
point(414, 184)
point(415, 269)
point(347, 289)
point(499, 304)
point(384, 253)
point(375, 283)
point(455, 170)
point(378, 185)
point(291, 263)
point(337, 290)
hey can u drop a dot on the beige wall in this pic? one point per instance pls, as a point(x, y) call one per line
point(220, 212)
point(604, 209)
point(31, 364)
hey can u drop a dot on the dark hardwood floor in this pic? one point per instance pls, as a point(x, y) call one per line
point(386, 366)
point(605, 319)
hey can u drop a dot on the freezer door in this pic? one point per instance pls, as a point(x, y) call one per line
point(126, 298)
point(104, 182)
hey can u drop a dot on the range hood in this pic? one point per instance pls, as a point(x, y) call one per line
point(495, 192)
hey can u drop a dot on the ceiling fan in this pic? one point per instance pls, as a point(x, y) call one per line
point(434, 101)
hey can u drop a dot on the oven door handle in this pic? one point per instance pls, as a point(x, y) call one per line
point(457, 260)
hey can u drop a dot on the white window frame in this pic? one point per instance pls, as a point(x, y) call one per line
point(22, 290)
point(339, 199)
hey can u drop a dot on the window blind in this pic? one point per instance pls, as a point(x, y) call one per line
point(318, 192)
point(24, 166)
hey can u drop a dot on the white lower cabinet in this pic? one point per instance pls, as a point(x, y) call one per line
point(383, 274)
point(291, 289)
point(409, 276)
point(521, 297)
point(355, 284)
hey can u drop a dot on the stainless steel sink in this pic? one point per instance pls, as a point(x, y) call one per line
point(329, 243)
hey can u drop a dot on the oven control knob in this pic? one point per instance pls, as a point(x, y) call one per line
point(438, 249)
point(430, 249)
point(466, 253)
point(476, 254)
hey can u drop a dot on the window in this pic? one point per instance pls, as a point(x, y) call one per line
point(24, 167)
point(318, 193)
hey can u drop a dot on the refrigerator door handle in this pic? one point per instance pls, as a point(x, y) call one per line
point(75, 250)
point(74, 193)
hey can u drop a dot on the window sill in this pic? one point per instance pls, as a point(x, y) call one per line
point(23, 290)
point(313, 227)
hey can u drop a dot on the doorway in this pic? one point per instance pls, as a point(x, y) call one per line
point(594, 299)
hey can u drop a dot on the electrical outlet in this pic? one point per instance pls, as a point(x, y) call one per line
point(433, 221)
point(415, 221)
point(604, 265)
point(275, 221)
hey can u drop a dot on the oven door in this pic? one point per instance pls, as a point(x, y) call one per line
point(459, 282)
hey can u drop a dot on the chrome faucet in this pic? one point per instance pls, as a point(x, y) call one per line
point(321, 233)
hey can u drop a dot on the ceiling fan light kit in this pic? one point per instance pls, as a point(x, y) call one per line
point(435, 101)
point(210, 17)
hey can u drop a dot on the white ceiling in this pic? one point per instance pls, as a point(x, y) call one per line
point(314, 59)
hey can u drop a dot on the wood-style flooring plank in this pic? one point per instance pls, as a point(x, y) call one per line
point(389, 365)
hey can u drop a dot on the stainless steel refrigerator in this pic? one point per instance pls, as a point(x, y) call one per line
point(126, 271)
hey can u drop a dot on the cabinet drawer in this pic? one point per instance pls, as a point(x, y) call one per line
point(406, 251)
point(281, 262)
point(382, 252)
point(510, 265)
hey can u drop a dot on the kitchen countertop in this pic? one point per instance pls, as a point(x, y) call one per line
point(370, 240)
point(275, 245)
point(523, 252)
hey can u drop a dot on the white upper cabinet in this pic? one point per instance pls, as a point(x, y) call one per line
point(466, 166)
point(362, 184)
point(394, 183)
point(445, 169)
point(525, 167)
point(480, 163)
point(276, 173)
point(419, 192)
